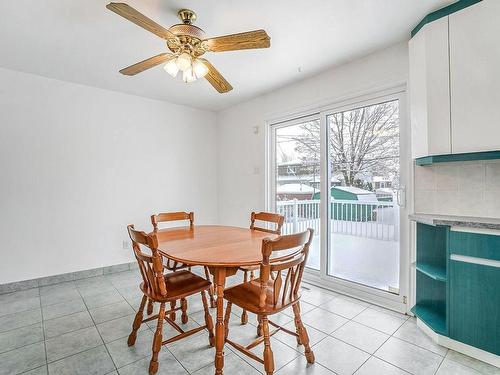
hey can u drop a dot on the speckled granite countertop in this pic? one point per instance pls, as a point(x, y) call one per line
point(457, 221)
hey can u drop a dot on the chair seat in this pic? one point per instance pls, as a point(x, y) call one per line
point(181, 284)
point(247, 296)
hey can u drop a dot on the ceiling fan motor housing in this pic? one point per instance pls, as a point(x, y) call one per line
point(189, 37)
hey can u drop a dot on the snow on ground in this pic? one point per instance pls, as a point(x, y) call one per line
point(365, 261)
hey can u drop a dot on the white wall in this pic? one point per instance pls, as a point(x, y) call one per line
point(241, 153)
point(77, 164)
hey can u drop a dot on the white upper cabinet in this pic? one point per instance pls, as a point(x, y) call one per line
point(430, 90)
point(474, 40)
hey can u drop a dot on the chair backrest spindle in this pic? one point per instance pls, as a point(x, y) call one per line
point(290, 265)
point(150, 266)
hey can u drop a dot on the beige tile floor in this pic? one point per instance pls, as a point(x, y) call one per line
point(81, 328)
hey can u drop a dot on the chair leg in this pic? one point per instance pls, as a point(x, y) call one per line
point(184, 306)
point(226, 319)
point(297, 330)
point(172, 306)
point(304, 337)
point(153, 365)
point(259, 325)
point(137, 322)
point(208, 320)
point(211, 292)
point(244, 315)
point(268, 353)
point(150, 307)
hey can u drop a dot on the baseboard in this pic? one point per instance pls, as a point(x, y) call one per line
point(71, 276)
point(460, 347)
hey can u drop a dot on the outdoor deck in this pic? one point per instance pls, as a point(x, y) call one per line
point(364, 239)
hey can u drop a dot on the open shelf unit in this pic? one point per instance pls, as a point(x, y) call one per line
point(434, 319)
point(437, 273)
point(432, 277)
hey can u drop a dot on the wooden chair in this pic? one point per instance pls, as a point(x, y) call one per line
point(276, 289)
point(267, 217)
point(165, 288)
point(170, 264)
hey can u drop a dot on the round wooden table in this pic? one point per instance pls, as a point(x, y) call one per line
point(223, 249)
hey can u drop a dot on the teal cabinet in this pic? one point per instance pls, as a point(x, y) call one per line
point(458, 285)
point(431, 298)
point(475, 305)
point(478, 245)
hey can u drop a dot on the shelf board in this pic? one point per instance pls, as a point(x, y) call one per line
point(471, 156)
point(434, 272)
point(433, 319)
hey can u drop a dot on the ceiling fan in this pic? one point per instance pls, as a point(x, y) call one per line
point(187, 44)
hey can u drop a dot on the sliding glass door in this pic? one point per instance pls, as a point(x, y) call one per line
point(339, 172)
point(297, 179)
point(364, 215)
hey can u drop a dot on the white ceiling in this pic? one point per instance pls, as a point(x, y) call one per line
point(83, 42)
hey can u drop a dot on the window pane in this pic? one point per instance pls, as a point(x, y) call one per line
point(364, 217)
point(298, 181)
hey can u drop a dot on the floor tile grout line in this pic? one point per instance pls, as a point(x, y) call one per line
point(370, 355)
point(180, 363)
point(71, 355)
point(43, 332)
point(98, 332)
point(148, 327)
point(22, 346)
point(392, 364)
point(440, 364)
point(314, 308)
point(419, 346)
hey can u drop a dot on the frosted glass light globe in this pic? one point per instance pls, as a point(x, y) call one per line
point(183, 61)
point(188, 76)
point(171, 68)
point(200, 69)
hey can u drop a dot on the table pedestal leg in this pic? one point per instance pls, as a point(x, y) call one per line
point(220, 281)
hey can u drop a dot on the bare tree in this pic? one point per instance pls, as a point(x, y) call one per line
point(363, 141)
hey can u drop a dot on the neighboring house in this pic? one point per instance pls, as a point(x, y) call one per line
point(294, 191)
point(380, 182)
point(298, 172)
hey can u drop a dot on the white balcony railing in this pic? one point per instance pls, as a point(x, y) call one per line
point(378, 219)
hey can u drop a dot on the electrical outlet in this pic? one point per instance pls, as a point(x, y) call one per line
point(126, 245)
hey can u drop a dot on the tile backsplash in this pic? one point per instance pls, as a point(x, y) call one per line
point(460, 188)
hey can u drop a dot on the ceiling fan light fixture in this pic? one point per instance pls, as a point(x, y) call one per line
point(188, 76)
point(184, 61)
point(171, 68)
point(187, 43)
point(200, 69)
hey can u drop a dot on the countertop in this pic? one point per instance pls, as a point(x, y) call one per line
point(457, 221)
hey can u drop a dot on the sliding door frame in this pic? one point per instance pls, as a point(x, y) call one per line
point(321, 277)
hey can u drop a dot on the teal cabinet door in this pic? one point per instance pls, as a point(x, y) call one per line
point(475, 245)
point(475, 305)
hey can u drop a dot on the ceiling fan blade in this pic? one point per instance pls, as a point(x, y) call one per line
point(132, 70)
point(233, 42)
point(216, 79)
point(140, 19)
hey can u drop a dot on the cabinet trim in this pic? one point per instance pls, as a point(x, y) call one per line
point(443, 12)
point(469, 156)
point(474, 260)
